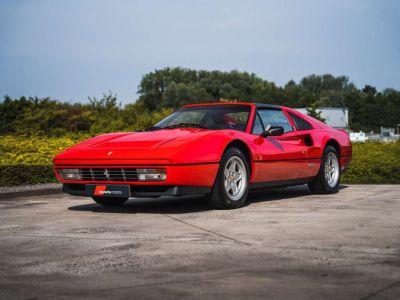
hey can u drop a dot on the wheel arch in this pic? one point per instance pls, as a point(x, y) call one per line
point(332, 142)
point(245, 150)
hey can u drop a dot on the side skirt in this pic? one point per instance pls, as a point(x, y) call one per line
point(280, 183)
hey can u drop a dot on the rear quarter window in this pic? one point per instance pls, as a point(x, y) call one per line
point(300, 123)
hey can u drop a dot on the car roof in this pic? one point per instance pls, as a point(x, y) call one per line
point(314, 122)
point(258, 105)
point(270, 106)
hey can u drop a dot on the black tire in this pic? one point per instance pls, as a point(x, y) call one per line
point(106, 201)
point(320, 185)
point(219, 197)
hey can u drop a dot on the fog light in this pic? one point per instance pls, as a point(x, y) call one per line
point(70, 174)
point(151, 174)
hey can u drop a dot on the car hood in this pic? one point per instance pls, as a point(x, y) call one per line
point(133, 145)
point(142, 140)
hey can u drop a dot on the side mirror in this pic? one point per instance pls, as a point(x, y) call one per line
point(273, 131)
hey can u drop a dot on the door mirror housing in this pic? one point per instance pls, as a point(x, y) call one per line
point(273, 131)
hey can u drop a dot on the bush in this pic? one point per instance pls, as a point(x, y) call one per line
point(44, 116)
point(29, 160)
point(25, 174)
point(36, 150)
point(374, 163)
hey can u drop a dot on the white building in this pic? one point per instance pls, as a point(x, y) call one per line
point(358, 137)
point(336, 117)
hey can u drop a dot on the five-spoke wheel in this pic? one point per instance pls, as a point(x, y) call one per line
point(235, 171)
point(327, 180)
point(331, 167)
point(232, 183)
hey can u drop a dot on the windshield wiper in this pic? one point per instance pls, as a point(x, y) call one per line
point(186, 125)
point(153, 128)
point(182, 125)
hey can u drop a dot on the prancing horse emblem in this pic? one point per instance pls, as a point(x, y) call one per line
point(107, 174)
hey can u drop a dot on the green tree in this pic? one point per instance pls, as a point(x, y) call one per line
point(162, 91)
point(177, 86)
point(312, 111)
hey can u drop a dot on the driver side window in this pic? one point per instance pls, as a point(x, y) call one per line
point(275, 118)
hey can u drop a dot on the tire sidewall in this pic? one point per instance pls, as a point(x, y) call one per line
point(226, 201)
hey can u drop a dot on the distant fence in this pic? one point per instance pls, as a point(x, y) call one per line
point(383, 138)
point(361, 137)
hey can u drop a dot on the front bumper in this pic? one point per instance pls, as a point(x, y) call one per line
point(144, 191)
point(201, 174)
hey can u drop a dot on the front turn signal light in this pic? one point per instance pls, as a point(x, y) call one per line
point(70, 174)
point(151, 174)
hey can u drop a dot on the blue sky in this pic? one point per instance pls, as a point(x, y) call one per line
point(70, 50)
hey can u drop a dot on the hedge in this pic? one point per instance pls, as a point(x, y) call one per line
point(24, 174)
point(27, 160)
point(374, 162)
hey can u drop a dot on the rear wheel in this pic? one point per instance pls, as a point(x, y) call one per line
point(109, 201)
point(328, 178)
point(232, 183)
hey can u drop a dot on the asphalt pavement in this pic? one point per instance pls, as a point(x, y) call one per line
point(285, 244)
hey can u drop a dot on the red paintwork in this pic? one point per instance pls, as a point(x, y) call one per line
point(191, 156)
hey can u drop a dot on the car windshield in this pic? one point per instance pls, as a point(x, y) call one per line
point(208, 117)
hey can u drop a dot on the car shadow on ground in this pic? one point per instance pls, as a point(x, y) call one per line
point(191, 204)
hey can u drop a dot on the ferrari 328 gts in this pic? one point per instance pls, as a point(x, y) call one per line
point(221, 150)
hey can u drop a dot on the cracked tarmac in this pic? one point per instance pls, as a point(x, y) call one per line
point(285, 244)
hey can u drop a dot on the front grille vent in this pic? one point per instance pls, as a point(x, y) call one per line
point(109, 174)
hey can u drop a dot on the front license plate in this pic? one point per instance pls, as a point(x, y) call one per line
point(108, 190)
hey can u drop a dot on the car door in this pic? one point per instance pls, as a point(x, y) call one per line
point(304, 132)
point(279, 158)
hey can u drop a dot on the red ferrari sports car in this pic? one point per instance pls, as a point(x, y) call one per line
point(221, 150)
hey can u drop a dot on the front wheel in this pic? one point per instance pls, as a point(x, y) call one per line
point(109, 201)
point(232, 183)
point(327, 180)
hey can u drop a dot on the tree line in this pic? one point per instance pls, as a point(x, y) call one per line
point(162, 91)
